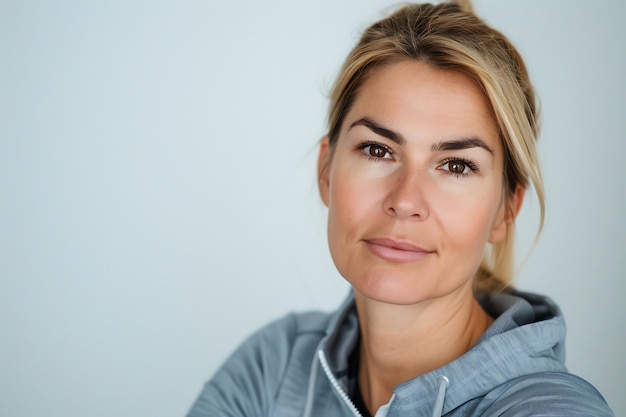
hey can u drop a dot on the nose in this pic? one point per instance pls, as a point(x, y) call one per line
point(407, 198)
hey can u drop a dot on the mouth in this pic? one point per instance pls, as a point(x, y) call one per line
point(396, 251)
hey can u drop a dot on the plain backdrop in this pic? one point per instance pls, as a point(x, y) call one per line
point(158, 200)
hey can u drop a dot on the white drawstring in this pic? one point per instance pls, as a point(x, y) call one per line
point(335, 384)
point(311, 389)
point(441, 396)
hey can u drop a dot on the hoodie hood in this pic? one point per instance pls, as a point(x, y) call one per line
point(527, 337)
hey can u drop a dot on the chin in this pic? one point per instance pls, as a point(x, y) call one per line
point(399, 288)
point(390, 289)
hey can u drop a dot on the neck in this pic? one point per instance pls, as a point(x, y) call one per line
point(441, 330)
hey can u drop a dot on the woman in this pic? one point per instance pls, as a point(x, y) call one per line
point(430, 149)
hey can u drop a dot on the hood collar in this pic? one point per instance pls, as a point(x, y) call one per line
point(527, 337)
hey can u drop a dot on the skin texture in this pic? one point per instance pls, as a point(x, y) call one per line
point(410, 215)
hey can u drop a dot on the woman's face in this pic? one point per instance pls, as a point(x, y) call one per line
point(414, 184)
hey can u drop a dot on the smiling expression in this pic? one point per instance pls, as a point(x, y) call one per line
point(413, 184)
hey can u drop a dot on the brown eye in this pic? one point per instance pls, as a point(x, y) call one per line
point(456, 167)
point(377, 151)
point(459, 167)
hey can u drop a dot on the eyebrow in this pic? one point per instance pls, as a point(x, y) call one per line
point(449, 145)
point(465, 143)
point(379, 130)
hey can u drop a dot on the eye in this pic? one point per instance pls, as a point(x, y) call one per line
point(376, 151)
point(459, 167)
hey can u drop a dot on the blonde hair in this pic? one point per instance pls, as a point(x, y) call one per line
point(449, 36)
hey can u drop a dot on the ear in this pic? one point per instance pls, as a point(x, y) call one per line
point(506, 216)
point(323, 164)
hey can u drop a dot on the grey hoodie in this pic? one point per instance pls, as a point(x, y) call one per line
point(297, 367)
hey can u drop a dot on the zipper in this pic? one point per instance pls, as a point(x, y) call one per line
point(335, 384)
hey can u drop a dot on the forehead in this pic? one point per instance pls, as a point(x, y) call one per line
point(421, 102)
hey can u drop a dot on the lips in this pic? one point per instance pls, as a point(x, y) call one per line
point(396, 251)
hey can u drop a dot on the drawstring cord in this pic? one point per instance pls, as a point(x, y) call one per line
point(311, 388)
point(335, 384)
point(441, 396)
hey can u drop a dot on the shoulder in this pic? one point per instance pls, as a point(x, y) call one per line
point(547, 393)
point(277, 340)
point(251, 378)
point(296, 325)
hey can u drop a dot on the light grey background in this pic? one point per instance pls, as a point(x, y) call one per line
point(158, 199)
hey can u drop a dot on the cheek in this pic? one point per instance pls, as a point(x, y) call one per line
point(467, 223)
point(355, 192)
point(347, 201)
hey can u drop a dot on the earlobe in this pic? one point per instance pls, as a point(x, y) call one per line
point(323, 162)
point(508, 215)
